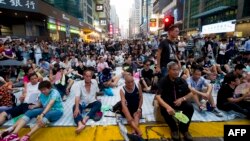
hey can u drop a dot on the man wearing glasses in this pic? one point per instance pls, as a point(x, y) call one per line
point(172, 96)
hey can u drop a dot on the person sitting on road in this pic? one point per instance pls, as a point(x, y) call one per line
point(85, 92)
point(196, 83)
point(61, 81)
point(173, 94)
point(106, 79)
point(226, 100)
point(48, 109)
point(131, 101)
point(28, 100)
point(146, 77)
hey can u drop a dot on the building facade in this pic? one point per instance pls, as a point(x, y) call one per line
point(163, 8)
point(243, 18)
point(135, 19)
point(114, 20)
point(103, 10)
point(203, 16)
point(46, 19)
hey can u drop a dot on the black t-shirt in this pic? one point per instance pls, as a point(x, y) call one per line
point(228, 75)
point(208, 64)
point(81, 70)
point(129, 67)
point(192, 65)
point(170, 91)
point(168, 51)
point(147, 74)
point(224, 93)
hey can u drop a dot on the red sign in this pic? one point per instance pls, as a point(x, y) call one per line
point(110, 29)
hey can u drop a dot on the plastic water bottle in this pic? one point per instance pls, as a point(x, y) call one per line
point(230, 62)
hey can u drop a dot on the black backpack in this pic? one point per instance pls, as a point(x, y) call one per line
point(117, 108)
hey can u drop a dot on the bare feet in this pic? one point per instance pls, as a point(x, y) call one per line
point(84, 121)
point(80, 128)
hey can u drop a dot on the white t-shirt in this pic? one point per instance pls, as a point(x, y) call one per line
point(91, 63)
point(32, 93)
point(223, 48)
point(78, 89)
point(181, 46)
point(102, 66)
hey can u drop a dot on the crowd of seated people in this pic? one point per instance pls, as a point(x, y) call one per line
point(85, 69)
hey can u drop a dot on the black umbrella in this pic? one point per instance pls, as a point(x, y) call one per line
point(11, 63)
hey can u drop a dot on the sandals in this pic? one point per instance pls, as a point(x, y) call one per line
point(4, 133)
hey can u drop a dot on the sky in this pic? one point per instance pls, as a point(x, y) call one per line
point(122, 9)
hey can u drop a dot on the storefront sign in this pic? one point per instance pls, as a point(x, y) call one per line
point(65, 17)
point(228, 26)
point(98, 29)
point(51, 26)
point(99, 7)
point(80, 23)
point(152, 22)
point(74, 31)
point(22, 5)
point(103, 22)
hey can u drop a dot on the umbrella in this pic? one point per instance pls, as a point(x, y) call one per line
point(11, 63)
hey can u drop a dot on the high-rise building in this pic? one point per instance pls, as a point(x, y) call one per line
point(135, 19)
point(103, 10)
point(243, 18)
point(146, 12)
point(163, 8)
point(71, 7)
point(114, 20)
point(88, 9)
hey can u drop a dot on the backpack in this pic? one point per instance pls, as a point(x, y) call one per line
point(117, 108)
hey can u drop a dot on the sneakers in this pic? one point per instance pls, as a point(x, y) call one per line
point(202, 109)
point(11, 137)
point(217, 112)
point(187, 136)
point(98, 116)
point(25, 138)
point(175, 135)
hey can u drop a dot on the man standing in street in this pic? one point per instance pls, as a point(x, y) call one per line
point(167, 50)
point(172, 96)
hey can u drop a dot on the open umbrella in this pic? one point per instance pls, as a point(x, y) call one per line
point(11, 63)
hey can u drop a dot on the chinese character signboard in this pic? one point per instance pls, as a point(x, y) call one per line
point(103, 21)
point(22, 5)
point(99, 7)
point(222, 27)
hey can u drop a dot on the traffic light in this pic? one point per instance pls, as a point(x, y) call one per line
point(168, 21)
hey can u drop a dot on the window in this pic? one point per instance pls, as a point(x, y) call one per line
point(90, 21)
point(89, 10)
point(90, 2)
